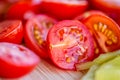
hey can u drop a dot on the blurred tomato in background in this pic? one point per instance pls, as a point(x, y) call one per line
point(110, 7)
point(63, 9)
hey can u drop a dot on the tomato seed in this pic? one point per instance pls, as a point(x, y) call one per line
point(96, 50)
point(68, 59)
point(95, 27)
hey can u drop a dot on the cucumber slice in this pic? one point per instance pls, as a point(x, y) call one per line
point(98, 61)
point(90, 73)
point(106, 57)
point(109, 70)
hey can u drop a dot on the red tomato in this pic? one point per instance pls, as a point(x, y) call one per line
point(3, 7)
point(16, 60)
point(64, 9)
point(16, 11)
point(70, 42)
point(105, 32)
point(19, 10)
point(35, 33)
point(107, 5)
point(15, 1)
point(86, 14)
point(11, 31)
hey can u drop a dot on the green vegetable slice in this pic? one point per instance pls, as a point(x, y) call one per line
point(109, 70)
point(98, 61)
point(90, 73)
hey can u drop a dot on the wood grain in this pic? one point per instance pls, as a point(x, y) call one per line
point(47, 71)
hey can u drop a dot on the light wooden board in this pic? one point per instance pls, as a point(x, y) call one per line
point(48, 71)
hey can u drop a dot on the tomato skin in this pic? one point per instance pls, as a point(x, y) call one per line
point(106, 5)
point(58, 49)
point(16, 11)
point(11, 31)
point(42, 23)
point(63, 9)
point(16, 60)
point(103, 35)
point(87, 14)
point(3, 7)
point(20, 9)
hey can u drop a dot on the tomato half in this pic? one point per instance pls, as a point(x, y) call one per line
point(35, 33)
point(16, 60)
point(63, 9)
point(70, 42)
point(11, 31)
point(105, 32)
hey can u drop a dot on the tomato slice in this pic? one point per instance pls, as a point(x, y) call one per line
point(16, 60)
point(70, 42)
point(105, 32)
point(35, 33)
point(11, 31)
point(64, 9)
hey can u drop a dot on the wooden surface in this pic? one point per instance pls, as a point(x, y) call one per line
point(47, 71)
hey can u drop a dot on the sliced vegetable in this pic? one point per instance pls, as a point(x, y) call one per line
point(90, 73)
point(16, 60)
point(36, 31)
point(11, 31)
point(99, 60)
point(105, 32)
point(70, 42)
point(105, 67)
point(109, 70)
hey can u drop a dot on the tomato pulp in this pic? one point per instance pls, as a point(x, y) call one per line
point(69, 42)
point(35, 33)
point(105, 32)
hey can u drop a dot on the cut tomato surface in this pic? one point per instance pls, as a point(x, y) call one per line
point(69, 42)
point(11, 31)
point(36, 30)
point(16, 60)
point(105, 32)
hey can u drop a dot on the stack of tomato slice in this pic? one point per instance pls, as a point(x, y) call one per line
point(64, 31)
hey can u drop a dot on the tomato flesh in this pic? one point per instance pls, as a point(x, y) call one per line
point(16, 60)
point(11, 31)
point(105, 32)
point(35, 33)
point(69, 43)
